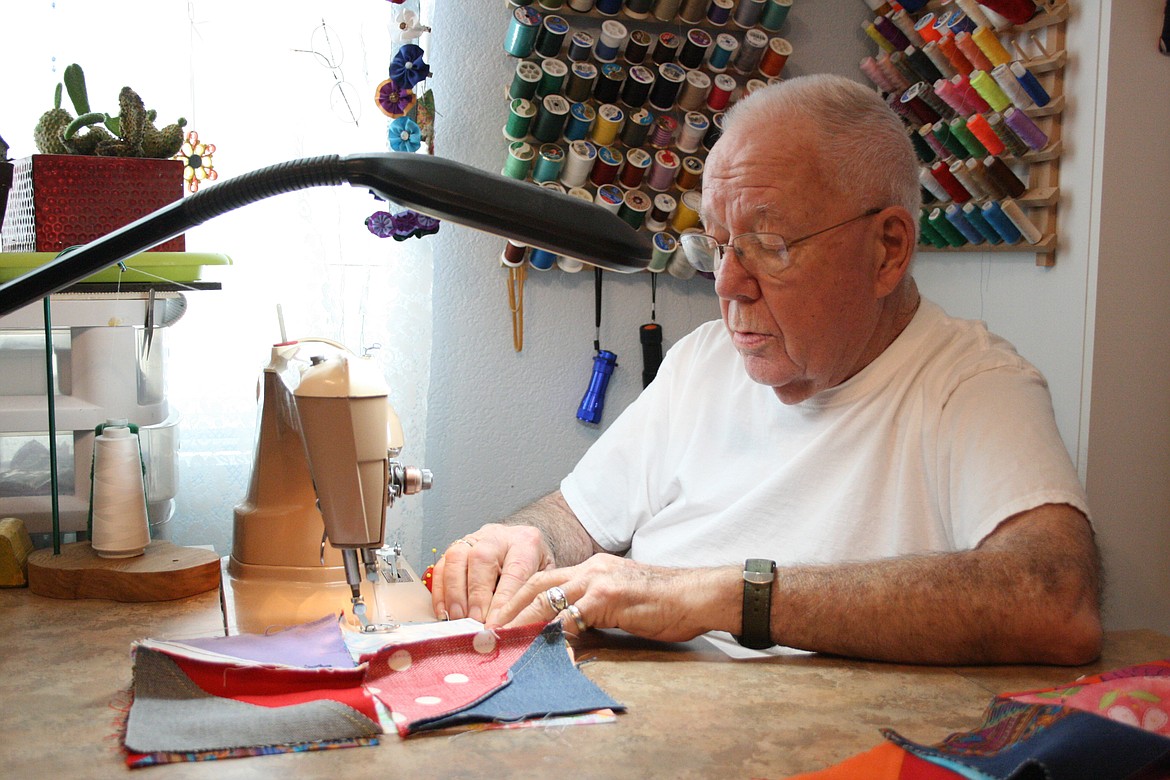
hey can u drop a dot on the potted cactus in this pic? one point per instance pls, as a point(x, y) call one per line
point(94, 173)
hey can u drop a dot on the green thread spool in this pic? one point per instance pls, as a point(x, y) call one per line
point(550, 118)
point(520, 115)
point(949, 232)
point(664, 247)
point(524, 80)
point(522, 29)
point(520, 154)
point(548, 163)
point(942, 131)
point(634, 206)
point(927, 234)
point(985, 85)
point(552, 77)
point(959, 129)
point(775, 14)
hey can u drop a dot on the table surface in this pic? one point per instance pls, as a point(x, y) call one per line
point(693, 712)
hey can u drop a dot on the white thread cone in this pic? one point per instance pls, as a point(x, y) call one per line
point(120, 525)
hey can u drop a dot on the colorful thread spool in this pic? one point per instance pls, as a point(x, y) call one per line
point(609, 42)
point(690, 173)
point(922, 65)
point(926, 133)
point(748, 13)
point(925, 29)
point(549, 162)
point(608, 124)
point(972, 52)
point(634, 170)
point(928, 235)
point(932, 185)
point(977, 124)
point(581, 119)
point(634, 206)
point(581, 46)
point(969, 95)
point(950, 50)
point(1023, 126)
point(1011, 86)
point(609, 197)
point(663, 247)
point(519, 160)
point(974, 214)
point(520, 38)
point(721, 88)
point(520, 115)
point(1015, 145)
point(721, 53)
point(661, 208)
point(719, 12)
point(1001, 222)
point(974, 12)
point(986, 39)
point(954, 214)
point(605, 166)
point(610, 78)
point(870, 68)
point(922, 150)
point(938, 59)
point(983, 182)
point(942, 131)
point(1015, 11)
point(904, 22)
point(513, 254)
point(968, 139)
point(687, 214)
point(875, 35)
point(608, 7)
point(663, 133)
point(958, 169)
point(666, 48)
point(941, 171)
point(775, 57)
point(938, 220)
point(775, 14)
point(524, 80)
point(541, 259)
point(1030, 84)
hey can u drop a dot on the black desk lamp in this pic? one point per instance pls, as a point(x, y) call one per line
point(431, 185)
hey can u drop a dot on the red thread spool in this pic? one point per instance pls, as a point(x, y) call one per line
point(1015, 11)
point(950, 50)
point(721, 91)
point(942, 174)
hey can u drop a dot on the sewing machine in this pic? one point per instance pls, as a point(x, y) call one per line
point(325, 473)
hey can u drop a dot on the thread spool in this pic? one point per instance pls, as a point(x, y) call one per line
point(541, 259)
point(578, 164)
point(938, 59)
point(938, 220)
point(870, 68)
point(972, 52)
point(974, 12)
point(686, 216)
point(1001, 222)
point(519, 160)
point(678, 266)
point(638, 9)
point(968, 139)
point(582, 81)
point(513, 254)
point(694, 127)
point(609, 197)
point(986, 39)
point(983, 182)
point(969, 95)
point(958, 218)
point(581, 118)
point(926, 133)
point(925, 29)
point(1015, 145)
point(999, 172)
point(922, 150)
point(520, 115)
point(775, 57)
point(748, 14)
point(928, 235)
point(609, 82)
point(695, 48)
point(888, 30)
point(664, 129)
point(1015, 11)
point(550, 38)
point(634, 206)
point(775, 14)
point(719, 12)
point(932, 185)
point(1011, 86)
point(608, 123)
point(666, 48)
point(549, 162)
point(963, 176)
point(608, 7)
point(690, 173)
point(950, 50)
point(663, 170)
point(694, 90)
point(551, 115)
point(693, 12)
point(714, 132)
point(637, 47)
point(1023, 126)
point(664, 247)
point(1026, 226)
point(922, 65)
point(522, 28)
point(581, 46)
point(666, 87)
point(751, 51)
point(974, 215)
point(904, 22)
point(942, 172)
point(1030, 84)
point(882, 41)
point(610, 41)
point(634, 170)
point(118, 502)
point(977, 124)
point(665, 10)
point(637, 127)
point(605, 167)
point(721, 88)
point(581, 6)
point(721, 53)
point(524, 80)
point(661, 208)
point(637, 86)
point(552, 77)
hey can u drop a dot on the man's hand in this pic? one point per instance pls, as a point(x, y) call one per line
point(655, 602)
point(480, 572)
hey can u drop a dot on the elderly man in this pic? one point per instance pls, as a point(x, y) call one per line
point(893, 477)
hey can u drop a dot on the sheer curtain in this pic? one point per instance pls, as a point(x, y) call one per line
point(264, 82)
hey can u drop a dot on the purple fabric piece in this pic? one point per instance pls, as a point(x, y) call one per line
point(315, 644)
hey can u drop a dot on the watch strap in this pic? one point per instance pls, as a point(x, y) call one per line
point(756, 628)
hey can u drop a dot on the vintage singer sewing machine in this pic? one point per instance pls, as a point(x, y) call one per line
point(313, 522)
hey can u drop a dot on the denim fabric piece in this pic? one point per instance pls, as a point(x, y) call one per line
point(1074, 746)
point(544, 682)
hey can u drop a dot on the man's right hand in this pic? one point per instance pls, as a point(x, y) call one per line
point(479, 573)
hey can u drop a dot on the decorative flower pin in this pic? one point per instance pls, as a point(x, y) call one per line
point(408, 67)
point(405, 135)
point(197, 163)
point(405, 26)
point(394, 100)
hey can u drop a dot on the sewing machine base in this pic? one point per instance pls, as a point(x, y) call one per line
point(256, 599)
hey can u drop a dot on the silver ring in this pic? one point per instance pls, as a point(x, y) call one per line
point(556, 598)
point(466, 541)
point(576, 613)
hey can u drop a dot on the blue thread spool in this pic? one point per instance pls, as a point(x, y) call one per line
point(938, 220)
point(719, 12)
point(1030, 84)
point(638, 9)
point(581, 116)
point(956, 217)
point(608, 7)
point(541, 259)
point(1001, 222)
point(548, 163)
point(721, 53)
point(522, 29)
point(974, 215)
point(609, 42)
point(580, 47)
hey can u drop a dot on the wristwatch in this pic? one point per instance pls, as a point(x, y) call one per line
point(756, 631)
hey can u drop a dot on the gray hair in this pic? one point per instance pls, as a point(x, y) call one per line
point(862, 144)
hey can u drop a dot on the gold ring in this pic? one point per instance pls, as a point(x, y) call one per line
point(576, 613)
point(466, 541)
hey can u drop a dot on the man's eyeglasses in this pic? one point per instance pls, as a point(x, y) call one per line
point(761, 254)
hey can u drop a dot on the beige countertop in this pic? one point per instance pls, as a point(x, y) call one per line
point(693, 713)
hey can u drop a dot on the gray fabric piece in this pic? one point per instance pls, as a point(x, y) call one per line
point(172, 714)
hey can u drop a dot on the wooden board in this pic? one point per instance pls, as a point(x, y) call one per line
point(162, 573)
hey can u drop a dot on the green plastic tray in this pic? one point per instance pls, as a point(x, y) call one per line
point(171, 266)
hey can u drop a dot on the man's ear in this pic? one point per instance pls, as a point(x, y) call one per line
point(895, 244)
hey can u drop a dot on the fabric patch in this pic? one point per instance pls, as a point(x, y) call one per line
point(544, 681)
point(315, 644)
point(171, 713)
point(425, 680)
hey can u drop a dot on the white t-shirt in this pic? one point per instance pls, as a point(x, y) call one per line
point(945, 435)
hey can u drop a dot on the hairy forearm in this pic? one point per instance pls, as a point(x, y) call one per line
point(563, 533)
point(1001, 603)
